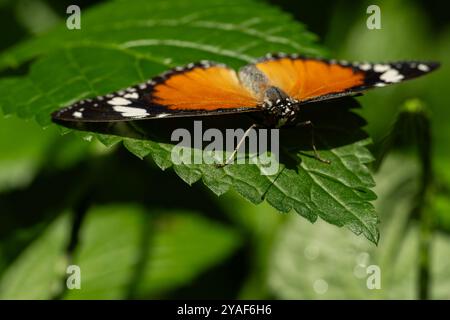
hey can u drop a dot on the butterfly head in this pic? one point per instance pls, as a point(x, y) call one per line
point(280, 108)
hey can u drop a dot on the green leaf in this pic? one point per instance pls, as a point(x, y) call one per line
point(38, 271)
point(176, 31)
point(24, 146)
point(27, 149)
point(326, 263)
point(441, 208)
point(123, 43)
point(305, 257)
point(124, 251)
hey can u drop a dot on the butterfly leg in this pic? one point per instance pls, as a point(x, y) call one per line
point(241, 141)
point(313, 144)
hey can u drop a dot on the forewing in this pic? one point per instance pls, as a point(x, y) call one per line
point(204, 88)
point(309, 79)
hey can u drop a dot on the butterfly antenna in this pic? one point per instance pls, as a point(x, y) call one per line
point(241, 141)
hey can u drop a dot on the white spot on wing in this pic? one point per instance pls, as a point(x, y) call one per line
point(423, 67)
point(133, 95)
point(77, 114)
point(365, 66)
point(381, 67)
point(131, 112)
point(162, 115)
point(117, 101)
point(391, 75)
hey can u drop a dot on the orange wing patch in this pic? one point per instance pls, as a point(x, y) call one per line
point(305, 79)
point(203, 88)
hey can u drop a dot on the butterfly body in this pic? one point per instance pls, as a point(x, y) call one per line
point(276, 105)
point(275, 86)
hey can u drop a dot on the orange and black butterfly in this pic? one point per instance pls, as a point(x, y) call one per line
point(276, 86)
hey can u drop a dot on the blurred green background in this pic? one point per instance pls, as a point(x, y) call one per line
point(142, 233)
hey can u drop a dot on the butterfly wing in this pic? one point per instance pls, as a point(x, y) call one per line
point(204, 88)
point(308, 79)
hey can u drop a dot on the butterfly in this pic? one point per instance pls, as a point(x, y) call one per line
point(275, 86)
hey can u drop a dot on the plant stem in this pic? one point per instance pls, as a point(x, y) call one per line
point(424, 254)
point(413, 127)
point(424, 144)
point(426, 224)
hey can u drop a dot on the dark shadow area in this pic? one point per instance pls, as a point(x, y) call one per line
point(45, 198)
point(15, 31)
point(147, 232)
point(333, 125)
point(222, 281)
point(308, 11)
point(22, 70)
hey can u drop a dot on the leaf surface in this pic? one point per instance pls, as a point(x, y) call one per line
point(123, 43)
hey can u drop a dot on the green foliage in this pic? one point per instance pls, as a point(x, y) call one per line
point(149, 253)
point(123, 43)
point(148, 235)
point(177, 32)
point(37, 273)
point(303, 257)
point(23, 147)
